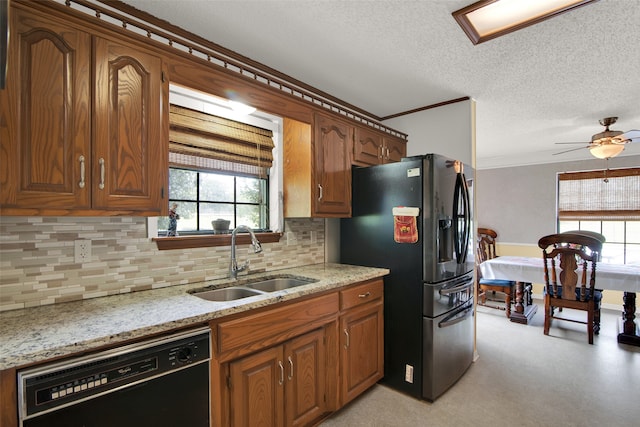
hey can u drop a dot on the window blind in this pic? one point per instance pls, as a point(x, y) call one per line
point(205, 141)
point(603, 194)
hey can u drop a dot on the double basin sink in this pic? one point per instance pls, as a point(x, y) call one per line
point(252, 288)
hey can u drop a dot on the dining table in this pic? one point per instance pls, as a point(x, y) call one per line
point(619, 277)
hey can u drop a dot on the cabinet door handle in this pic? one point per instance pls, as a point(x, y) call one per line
point(320, 196)
point(101, 162)
point(387, 152)
point(381, 155)
point(347, 342)
point(365, 295)
point(82, 171)
point(281, 372)
point(290, 369)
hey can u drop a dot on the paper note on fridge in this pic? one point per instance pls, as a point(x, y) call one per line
point(405, 211)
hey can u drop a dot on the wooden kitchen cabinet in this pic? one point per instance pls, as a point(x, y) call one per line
point(394, 148)
point(362, 339)
point(293, 364)
point(83, 123)
point(130, 161)
point(283, 385)
point(371, 147)
point(333, 139)
point(317, 167)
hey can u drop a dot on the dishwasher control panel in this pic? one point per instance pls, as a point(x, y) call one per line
point(46, 387)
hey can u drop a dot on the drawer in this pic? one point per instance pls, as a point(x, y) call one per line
point(272, 324)
point(361, 294)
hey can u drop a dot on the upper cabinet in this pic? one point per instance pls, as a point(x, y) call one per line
point(130, 148)
point(318, 160)
point(374, 148)
point(332, 143)
point(72, 148)
point(394, 149)
point(317, 167)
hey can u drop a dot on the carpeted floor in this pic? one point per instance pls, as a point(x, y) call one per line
point(522, 378)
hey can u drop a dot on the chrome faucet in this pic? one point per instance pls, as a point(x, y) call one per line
point(234, 268)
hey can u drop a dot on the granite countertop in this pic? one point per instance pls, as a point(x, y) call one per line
point(36, 334)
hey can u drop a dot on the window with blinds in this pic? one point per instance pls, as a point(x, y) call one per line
point(207, 142)
point(607, 202)
point(218, 170)
point(604, 194)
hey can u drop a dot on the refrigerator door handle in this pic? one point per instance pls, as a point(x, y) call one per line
point(454, 318)
point(449, 291)
point(461, 200)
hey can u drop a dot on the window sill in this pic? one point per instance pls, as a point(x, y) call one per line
point(209, 240)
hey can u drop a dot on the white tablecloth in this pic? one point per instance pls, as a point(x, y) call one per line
point(619, 277)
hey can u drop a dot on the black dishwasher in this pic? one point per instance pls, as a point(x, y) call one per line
point(162, 382)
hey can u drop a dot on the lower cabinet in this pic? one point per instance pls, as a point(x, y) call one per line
point(361, 358)
point(362, 346)
point(292, 364)
point(282, 385)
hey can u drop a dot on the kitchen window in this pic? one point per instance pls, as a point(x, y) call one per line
point(223, 164)
point(204, 196)
point(607, 202)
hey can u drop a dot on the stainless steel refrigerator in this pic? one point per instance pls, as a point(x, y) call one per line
point(415, 218)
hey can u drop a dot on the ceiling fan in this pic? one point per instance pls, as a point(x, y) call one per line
point(609, 143)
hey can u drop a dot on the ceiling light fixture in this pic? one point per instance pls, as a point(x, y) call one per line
point(488, 19)
point(606, 150)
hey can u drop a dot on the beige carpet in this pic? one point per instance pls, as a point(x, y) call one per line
point(522, 378)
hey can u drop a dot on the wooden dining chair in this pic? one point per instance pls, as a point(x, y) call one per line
point(570, 278)
point(503, 289)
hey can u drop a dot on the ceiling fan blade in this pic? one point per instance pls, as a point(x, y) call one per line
point(585, 143)
point(568, 151)
point(632, 135)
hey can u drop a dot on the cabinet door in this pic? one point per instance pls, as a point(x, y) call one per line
point(362, 349)
point(394, 149)
point(257, 389)
point(332, 171)
point(367, 147)
point(305, 380)
point(131, 145)
point(45, 116)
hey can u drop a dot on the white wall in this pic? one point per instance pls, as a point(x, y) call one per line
point(448, 130)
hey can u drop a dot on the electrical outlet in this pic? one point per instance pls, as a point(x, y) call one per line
point(408, 374)
point(313, 236)
point(82, 251)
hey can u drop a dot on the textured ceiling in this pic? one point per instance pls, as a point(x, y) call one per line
point(547, 83)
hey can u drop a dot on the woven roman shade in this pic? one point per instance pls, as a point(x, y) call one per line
point(601, 195)
point(202, 140)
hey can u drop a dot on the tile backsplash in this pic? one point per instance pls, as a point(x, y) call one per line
point(37, 263)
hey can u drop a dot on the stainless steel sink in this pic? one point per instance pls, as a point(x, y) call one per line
point(278, 283)
point(249, 288)
point(227, 294)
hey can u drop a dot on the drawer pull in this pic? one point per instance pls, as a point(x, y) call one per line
point(365, 295)
point(281, 372)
